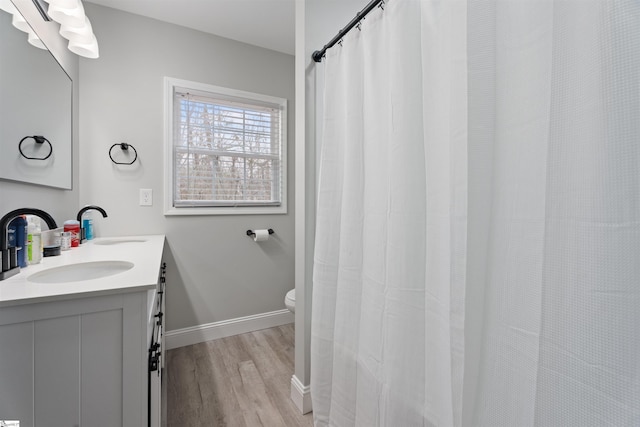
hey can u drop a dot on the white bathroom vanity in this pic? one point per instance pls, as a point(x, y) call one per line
point(78, 352)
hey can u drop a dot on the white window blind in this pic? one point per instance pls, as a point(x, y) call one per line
point(227, 150)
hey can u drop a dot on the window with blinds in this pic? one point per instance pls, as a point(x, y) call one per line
point(227, 148)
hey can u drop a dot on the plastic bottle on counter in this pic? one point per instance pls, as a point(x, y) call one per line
point(87, 225)
point(18, 228)
point(51, 242)
point(65, 241)
point(73, 227)
point(34, 240)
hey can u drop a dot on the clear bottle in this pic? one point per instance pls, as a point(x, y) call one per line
point(34, 240)
point(65, 241)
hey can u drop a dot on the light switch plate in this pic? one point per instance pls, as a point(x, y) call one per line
point(146, 197)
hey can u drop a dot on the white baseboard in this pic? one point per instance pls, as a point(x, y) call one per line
point(301, 395)
point(226, 328)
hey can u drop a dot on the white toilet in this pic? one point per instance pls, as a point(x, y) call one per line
point(290, 300)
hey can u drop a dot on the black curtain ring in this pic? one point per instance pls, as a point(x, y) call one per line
point(125, 147)
point(38, 140)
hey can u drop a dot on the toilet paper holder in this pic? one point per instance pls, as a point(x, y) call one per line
point(252, 233)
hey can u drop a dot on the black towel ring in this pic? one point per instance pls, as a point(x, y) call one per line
point(39, 140)
point(125, 147)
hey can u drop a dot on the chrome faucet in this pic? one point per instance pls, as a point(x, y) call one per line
point(83, 232)
point(9, 255)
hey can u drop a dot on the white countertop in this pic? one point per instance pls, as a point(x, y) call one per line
point(145, 255)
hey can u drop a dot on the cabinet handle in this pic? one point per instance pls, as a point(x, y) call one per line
point(154, 357)
point(153, 364)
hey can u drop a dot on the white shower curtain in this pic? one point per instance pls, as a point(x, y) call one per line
point(477, 255)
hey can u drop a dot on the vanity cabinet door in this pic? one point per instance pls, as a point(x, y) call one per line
point(16, 385)
point(101, 366)
point(56, 373)
point(79, 362)
point(39, 372)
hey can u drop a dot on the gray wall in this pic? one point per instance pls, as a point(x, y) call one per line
point(62, 204)
point(215, 271)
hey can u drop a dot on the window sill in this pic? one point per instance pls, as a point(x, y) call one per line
point(230, 210)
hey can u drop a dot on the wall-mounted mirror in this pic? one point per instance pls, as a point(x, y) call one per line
point(35, 99)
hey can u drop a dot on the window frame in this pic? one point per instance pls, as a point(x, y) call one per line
point(170, 84)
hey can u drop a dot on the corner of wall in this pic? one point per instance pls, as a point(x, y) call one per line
point(302, 243)
point(301, 395)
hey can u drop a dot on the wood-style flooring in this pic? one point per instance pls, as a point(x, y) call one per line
point(239, 381)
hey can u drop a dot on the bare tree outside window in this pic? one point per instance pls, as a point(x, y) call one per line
point(227, 150)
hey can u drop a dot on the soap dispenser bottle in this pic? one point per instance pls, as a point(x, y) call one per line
point(34, 240)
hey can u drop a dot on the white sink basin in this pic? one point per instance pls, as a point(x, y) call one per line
point(80, 272)
point(118, 241)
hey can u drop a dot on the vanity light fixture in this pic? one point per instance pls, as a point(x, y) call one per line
point(66, 12)
point(74, 26)
point(8, 7)
point(80, 34)
point(19, 22)
point(35, 41)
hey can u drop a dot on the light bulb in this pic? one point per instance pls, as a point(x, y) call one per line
point(67, 4)
point(8, 7)
point(34, 40)
point(71, 17)
point(87, 50)
point(82, 34)
point(19, 22)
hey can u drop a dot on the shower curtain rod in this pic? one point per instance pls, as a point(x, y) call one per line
point(318, 54)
